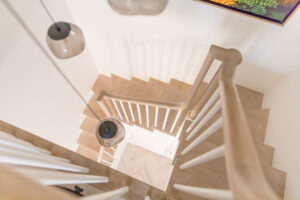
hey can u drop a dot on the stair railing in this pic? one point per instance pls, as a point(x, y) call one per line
point(244, 171)
point(142, 111)
point(27, 170)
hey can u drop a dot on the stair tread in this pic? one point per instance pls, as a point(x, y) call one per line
point(251, 99)
point(102, 83)
point(258, 121)
point(89, 125)
point(87, 152)
point(120, 86)
point(265, 153)
point(93, 103)
point(177, 91)
point(89, 141)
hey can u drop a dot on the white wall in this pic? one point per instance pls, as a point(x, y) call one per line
point(33, 96)
point(283, 131)
point(174, 43)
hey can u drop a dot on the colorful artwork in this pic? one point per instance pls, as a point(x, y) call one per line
point(272, 10)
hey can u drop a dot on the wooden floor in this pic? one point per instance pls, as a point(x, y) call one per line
point(146, 166)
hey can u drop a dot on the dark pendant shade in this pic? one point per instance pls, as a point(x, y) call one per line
point(65, 40)
point(110, 132)
point(138, 7)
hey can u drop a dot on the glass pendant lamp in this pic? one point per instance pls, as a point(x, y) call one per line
point(138, 7)
point(65, 40)
point(110, 132)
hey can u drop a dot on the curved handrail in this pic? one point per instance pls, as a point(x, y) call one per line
point(245, 174)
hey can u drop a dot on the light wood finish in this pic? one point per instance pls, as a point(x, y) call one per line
point(166, 95)
point(212, 174)
point(89, 140)
point(15, 186)
point(137, 189)
point(242, 160)
point(146, 166)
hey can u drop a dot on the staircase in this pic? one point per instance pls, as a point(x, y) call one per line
point(221, 154)
point(147, 94)
point(153, 90)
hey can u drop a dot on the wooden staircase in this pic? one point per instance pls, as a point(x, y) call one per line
point(211, 174)
point(174, 91)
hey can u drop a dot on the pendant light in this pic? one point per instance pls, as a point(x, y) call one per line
point(138, 7)
point(64, 39)
point(110, 131)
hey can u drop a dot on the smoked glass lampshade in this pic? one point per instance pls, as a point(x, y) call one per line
point(110, 132)
point(138, 7)
point(65, 40)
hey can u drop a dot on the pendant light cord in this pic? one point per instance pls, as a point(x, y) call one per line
point(33, 37)
point(50, 16)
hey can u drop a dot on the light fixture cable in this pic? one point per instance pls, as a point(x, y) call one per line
point(55, 65)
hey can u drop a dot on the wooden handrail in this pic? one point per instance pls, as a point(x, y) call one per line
point(162, 104)
point(245, 174)
point(228, 57)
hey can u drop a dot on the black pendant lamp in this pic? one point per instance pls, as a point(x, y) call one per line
point(64, 39)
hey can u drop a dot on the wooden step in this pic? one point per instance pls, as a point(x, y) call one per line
point(120, 86)
point(87, 152)
point(275, 177)
point(250, 99)
point(89, 140)
point(102, 83)
point(258, 120)
point(96, 108)
point(208, 175)
point(89, 125)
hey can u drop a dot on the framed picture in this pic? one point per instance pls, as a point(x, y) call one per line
point(276, 11)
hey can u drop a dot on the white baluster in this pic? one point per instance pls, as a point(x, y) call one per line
point(104, 108)
point(38, 161)
point(208, 132)
point(111, 195)
point(147, 198)
point(208, 104)
point(211, 155)
point(208, 193)
point(205, 119)
point(53, 177)
point(139, 113)
point(10, 149)
point(156, 116)
point(108, 154)
point(117, 109)
point(166, 118)
point(6, 134)
point(147, 115)
point(175, 121)
point(131, 112)
point(124, 111)
point(21, 144)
